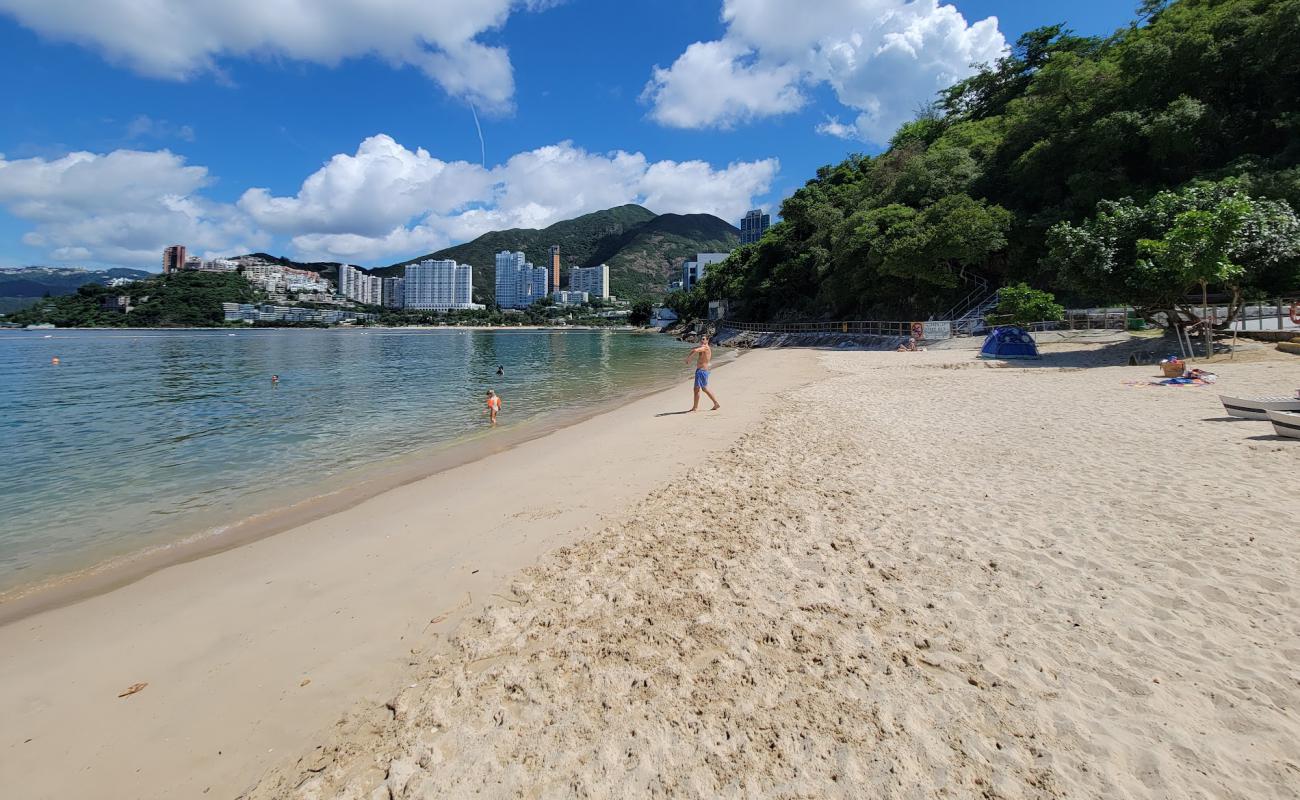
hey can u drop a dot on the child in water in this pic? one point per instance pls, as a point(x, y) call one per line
point(493, 405)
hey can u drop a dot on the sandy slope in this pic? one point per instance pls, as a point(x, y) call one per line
point(910, 581)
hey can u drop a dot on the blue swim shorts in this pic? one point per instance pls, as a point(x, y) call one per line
point(701, 378)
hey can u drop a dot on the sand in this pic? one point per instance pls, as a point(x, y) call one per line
point(911, 581)
point(872, 574)
point(249, 653)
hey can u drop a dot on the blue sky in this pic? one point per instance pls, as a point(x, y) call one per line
point(749, 98)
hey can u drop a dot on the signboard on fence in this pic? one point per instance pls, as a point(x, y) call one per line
point(937, 329)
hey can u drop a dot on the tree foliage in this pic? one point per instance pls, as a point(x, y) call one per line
point(1052, 138)
point(1023, 305)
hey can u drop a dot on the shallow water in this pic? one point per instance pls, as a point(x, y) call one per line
point(138, 438)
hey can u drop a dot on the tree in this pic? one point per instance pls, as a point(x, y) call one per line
point(640, 313)
point(1022, 306)
point(1152, 255)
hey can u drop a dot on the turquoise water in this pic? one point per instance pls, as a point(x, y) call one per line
point(141, 437)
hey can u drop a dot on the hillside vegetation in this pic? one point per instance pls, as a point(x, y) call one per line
point(1128, 169)
point(22, 287)
point(182, 299)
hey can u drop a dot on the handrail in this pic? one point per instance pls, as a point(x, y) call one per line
point(888, 328)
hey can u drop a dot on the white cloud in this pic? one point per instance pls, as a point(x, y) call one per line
point(120, 208)
point(180, 38)
point(381, 202)
point(831, 126)
point(721, 84)
point(882, 58)
point(387, 200)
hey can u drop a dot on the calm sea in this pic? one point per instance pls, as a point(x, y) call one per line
point(139, 438)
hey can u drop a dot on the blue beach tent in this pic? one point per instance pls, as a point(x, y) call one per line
point(1009, 342)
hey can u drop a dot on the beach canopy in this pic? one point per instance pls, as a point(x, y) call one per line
point(1009, 341)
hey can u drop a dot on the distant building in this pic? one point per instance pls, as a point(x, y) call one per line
point(358, 285)
point(508, 268)
point(555, 267)
point(570, 298)
point(592, 280)
point(518, 283)
point(120, 303)
point(193, 263)
point(348, 276)
point(247, 312)
point(439, 285)
point(219, 265)
point(394, 292)
point(754, 225)
point(694, 271)
point(275, 279)
point(173, 259)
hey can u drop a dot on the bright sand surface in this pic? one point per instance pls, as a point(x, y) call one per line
point(249, 652)
point(871, 574)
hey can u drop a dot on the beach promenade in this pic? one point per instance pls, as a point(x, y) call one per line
point(872, 574)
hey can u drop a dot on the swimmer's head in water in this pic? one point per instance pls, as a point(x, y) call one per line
point(490, 392)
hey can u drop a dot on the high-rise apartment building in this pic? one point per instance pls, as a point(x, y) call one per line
point(440, 285)
point(173, 259)
point(538, 283)
point(518, 283)
point(555, 267)
point(592, 280)
point(394, 292)
point(348, 275)
point(754, 225)
point(693, 271)
point(508, 269)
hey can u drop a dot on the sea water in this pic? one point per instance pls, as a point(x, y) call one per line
point(136, 438)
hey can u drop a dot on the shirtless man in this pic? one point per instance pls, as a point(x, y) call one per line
point(702, 373)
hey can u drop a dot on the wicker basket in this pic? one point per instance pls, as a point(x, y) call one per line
point(1173, 369)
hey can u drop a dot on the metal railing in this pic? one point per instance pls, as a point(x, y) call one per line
point(858, 327)
point(1085, 321)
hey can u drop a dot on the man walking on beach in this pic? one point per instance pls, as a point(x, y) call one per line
point(702, 373)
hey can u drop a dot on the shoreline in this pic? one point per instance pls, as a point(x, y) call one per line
point(624, 328)
point(251, 652)
point(65, 588)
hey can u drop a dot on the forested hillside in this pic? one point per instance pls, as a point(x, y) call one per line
point(1128, 169)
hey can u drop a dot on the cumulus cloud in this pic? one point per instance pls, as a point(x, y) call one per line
point(382, 201)
point(882, 58)
point(180, 38)
point(388, 200)
point(119, 208)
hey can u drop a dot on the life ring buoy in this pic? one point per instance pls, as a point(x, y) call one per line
point(1295, 311)
point(918, 330)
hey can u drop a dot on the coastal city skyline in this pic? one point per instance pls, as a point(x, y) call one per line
point(681, 122)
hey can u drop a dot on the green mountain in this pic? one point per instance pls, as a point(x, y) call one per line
point(23, 286)
point(643, 250)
